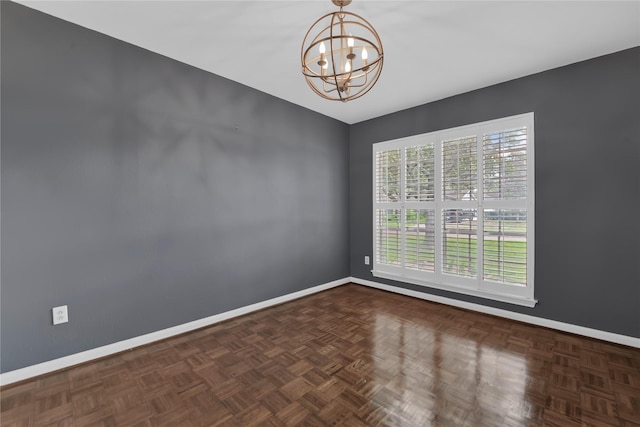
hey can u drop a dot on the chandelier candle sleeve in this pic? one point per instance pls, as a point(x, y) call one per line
point(330, 63)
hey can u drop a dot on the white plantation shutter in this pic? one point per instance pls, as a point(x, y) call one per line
point(453, 209)
point(505, 251)
point(419, 233)
point(388, 216)
point(459, 168)
point(388, 176)
point(459, 184)
point(504, 157)
point(388, 237)
point(459, 242)
point(419, 212)
point(420, 173)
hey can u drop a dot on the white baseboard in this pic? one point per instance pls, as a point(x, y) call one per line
point(107, 350)
point(539, 321)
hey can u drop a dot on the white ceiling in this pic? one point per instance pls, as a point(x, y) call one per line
point(433, 49)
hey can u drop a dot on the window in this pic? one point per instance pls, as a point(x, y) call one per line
point(453, 209)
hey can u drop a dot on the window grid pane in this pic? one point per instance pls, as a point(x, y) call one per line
point(459, 242)
point(420, 239)
point(505, 165)
point(459, 169)
point(388, 237)
point(388, 176)
point(419, 173)
point(450, 209)
point(505, 246)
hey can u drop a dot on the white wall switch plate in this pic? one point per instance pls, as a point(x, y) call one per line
point(60, 314)
point(366, 260)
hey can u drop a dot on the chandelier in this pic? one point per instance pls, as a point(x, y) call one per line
point(341, 55)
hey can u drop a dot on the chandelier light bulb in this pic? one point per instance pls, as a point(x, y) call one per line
point(350, 41)
point(322, 48)
point(365, 55)
point(347, 67)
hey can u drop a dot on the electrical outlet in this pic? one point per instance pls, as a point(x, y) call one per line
point(366, 260)
point(60, 314)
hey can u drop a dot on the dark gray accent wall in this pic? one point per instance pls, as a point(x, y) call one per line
point(587, 152)
point(145, 193)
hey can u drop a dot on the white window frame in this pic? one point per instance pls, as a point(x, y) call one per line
point(520, 295)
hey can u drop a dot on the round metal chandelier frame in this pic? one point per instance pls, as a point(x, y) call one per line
point(343, 60)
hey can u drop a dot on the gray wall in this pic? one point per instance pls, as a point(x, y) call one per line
point(145, 193)
point(587, 124)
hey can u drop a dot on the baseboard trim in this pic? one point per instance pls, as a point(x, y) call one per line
point(553, 324)
point(110, 349)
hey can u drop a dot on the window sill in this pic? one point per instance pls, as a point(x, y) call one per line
point(510, 299)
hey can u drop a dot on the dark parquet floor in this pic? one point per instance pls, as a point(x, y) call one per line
point(349, 356)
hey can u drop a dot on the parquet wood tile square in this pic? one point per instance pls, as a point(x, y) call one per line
point(349, 356)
